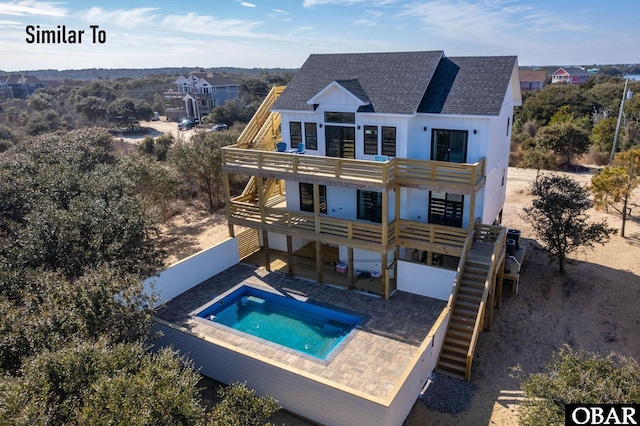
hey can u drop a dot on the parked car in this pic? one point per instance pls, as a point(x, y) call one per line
point(187, 123)
point(155, 117)
point(218, 128)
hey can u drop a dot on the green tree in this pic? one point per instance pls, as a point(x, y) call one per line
point(155, 183)
point(92, 107)
point(566, 139)
point(613, 186)
point(200, 162)
point(87, 383)
point(43, 311)
point(127, 111)
point(240, 407)
point(559, 220)
point(603, 133)
point(67, 206)
point(578, 378)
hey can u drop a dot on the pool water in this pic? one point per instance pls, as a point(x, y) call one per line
point(298, 325)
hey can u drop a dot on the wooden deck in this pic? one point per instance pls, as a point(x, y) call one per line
point(465, 178)
point(305, 267)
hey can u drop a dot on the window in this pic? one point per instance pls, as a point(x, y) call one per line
point(508, 124)
point(371, 140)
point(205, 89)
point(445, 208)
point(295, 131)
point(306, 198)
point(340, 117)
point(370, 206)
point(389, 141)
point(340, 141)
point(449, 145)
point(311, 135)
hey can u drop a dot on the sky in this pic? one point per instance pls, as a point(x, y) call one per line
point(283, 33)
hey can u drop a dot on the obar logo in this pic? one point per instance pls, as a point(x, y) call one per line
point(602, 414)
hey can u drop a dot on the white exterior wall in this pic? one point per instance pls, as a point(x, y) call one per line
point(429, 281)
point(317, 399)
point(193, 270)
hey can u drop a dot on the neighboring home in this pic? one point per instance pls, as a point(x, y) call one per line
point(19, 86)
point(386, 184)
point(532, 80)
point(198, 93)
point(571, 75)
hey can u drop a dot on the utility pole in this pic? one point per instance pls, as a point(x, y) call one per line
point(615, 137)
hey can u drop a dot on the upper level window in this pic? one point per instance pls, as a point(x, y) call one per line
point(389, 141)
point(205, 89)
point(307, 200)
point(311, 135)
point(370, 206)
point(340, 117)
point(295, 131)
point(371, 140)
point(449, 145)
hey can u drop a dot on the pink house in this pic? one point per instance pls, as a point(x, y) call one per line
point(571, 75)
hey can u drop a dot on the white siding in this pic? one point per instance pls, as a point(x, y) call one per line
point(279, 242)
point(193, 270)
point(312, 397)
point(425, 280)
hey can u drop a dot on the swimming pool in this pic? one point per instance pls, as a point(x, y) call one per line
point(298, 325)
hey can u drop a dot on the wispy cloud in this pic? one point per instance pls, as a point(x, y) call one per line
point(130, 19)
point(210, 25)
point(35, 8)
point(492, 22)
point(311, 3)
point(247, 4)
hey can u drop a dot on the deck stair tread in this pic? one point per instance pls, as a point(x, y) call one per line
point(465, 310)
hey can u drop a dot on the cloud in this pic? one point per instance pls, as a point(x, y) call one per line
point(210, 25)
point(246, 4)
point(35, 8)
point(311, 3)
point(130, 19)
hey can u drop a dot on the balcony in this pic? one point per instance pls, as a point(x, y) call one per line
point(434, 175)
point(366, 235)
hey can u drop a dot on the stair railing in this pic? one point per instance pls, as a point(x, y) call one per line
point(497, 248)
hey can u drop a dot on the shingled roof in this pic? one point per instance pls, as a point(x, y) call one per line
point(405, 82)
point(393, 82)
point(474, 85)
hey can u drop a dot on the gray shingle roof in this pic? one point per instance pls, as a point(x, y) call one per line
point(393, 82)
point(469, 85)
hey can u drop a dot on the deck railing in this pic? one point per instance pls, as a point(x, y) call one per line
point(405, 171)
point(496, 235)
point(306, 222)
point(446, 239)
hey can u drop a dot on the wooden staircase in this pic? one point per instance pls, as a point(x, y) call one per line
point(474, 281)
point(263, 130)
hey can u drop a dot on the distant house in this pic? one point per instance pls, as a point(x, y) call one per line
point(571, 75)
point(531, 80)
point(198, 93)
point(19, 86)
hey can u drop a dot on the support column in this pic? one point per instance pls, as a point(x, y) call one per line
point(261, 201)
point(472, 210)
point(319, 262)
point(350, 271)
point(227, 199)
point(265, 248)
point(384, 277)
point(290, 255)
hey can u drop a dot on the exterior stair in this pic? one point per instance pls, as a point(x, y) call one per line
point(264, 128)
point(465, 313)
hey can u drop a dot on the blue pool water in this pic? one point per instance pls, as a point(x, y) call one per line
point(298, 325)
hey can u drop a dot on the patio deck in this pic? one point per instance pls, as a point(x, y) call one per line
point(372, 361)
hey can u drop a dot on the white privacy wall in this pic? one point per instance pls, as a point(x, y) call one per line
point(193, 270)
point(430, 281)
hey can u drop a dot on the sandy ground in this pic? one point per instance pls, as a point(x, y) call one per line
point(593, 307)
